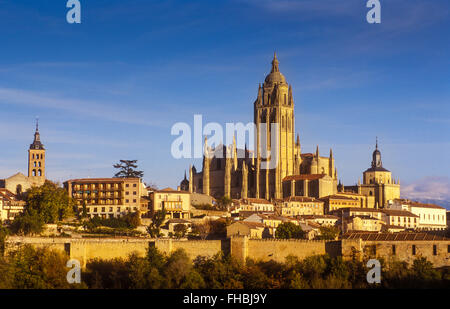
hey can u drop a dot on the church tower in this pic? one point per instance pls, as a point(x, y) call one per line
point(36, 159)
point(274, 104)
point(378, 181)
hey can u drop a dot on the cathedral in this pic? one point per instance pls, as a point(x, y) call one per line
point(241, 173)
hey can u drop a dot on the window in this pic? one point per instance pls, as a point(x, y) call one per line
point(103, 209)
point(127, 185)
point(95, 209)
point(413, 249)
point(134, 185)
point(448, 248)
point(134, 201)
point(127, 201)
point(434, 250)
point(134, 192)
point(393, 249)
point(127, 193)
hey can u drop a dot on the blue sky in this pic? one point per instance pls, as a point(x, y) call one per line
point(111, 87)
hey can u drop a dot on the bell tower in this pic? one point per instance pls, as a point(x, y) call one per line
point(274, 104)
point(36, 159)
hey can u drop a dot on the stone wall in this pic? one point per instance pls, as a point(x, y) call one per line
point(242, 247)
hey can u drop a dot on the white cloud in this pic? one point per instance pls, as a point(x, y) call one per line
point(111, 112)
point(437, 188)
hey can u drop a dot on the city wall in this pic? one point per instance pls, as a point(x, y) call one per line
point(242, 247)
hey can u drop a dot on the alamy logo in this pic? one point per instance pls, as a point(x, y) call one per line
point(74, 274)
point(190, 145)
point(374, 274)
point(74, 14)
point(374, 14)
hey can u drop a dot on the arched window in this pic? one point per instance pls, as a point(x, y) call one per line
point(370, 193)
point(33, 156)
point(19, 189)
point(285, 99)
point(35, 164)
point(34, 173)
point(39, 164)
point(39, 173)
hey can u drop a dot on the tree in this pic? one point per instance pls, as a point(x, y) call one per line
point(202, 229)
point(224, 202)
point(3, 233)
point(157, 220)
point(328, 233)
point(49, 201)
point(289, 230)
point(180, 230)
point(127, 169)
point(133, 220)
point(28, 222)
point(40, 268)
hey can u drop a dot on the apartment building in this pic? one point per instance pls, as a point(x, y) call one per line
point(177, 204)
point(300, 205)
point(431, 217)
point(109, 197)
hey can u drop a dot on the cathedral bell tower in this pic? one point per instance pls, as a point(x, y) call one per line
point(274, 104)
point(36, 159)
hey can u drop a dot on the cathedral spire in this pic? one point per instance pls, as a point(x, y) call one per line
point(37, 138)
point(275, 63)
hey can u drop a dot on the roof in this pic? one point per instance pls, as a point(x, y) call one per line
point(170, 190)
point(399, 213)
point(300, 199)
point(177, 220)
point(357, 209)
point(248, 213)
point(91, 180)
point(423, 205)
point(255, 201)
point(312, 217)
point(275, 217)
point(7, 195)
point(304, 177)
point(251, 224)
point(338, 197)
point(376, 169)
point(401, 236)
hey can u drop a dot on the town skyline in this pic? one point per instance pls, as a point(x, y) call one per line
point(90, 98)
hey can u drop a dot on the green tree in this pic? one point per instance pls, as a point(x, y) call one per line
point(133, 220)
point(180, 230)
point(42, 268)
point(3, 234)
point(51, 202)
point(289, 230)
point(28, 222)
point(224, 202)
point(127, 169)
point(328, 233)
point(157, 220)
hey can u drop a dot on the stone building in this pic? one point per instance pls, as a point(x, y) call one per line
point(430, 217)
point(377, 182)
point(241, 173)
point(19, 183)
point(177, 204)
point(109, 197)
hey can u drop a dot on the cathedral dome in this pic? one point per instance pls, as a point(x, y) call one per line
point(275, 76)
